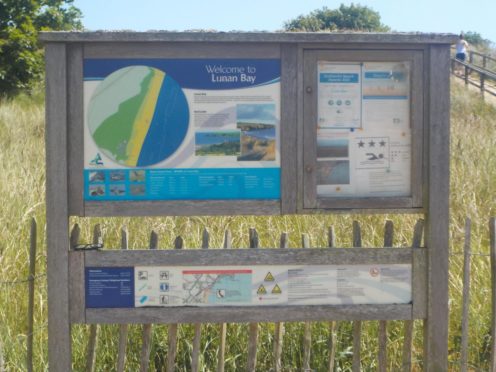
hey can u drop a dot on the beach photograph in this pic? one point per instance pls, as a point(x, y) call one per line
point(218, 143)
point(257, 123)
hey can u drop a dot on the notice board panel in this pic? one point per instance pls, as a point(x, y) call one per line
point(181, 129)
point(365, 146)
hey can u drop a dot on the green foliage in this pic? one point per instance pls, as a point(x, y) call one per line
point(21, 58)
point(353, 17)
point(476, 39)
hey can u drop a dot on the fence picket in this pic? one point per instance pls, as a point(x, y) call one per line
point(331, 237)
point(279, 326)
point(172, 333)
point(223, 326)
point(492, 249)
point(32, 275)
point(94, 329)
point(357, 324)
point(307, 332)
point(418, 232)
point(123, 328)
point(465, 296)
point(388, 242)
point(252, 327)
point(147, 328)
point(195, 356)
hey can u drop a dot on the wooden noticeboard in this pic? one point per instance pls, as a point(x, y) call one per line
point(155, 124)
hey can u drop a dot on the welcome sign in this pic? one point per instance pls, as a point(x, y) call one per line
point(174, 129)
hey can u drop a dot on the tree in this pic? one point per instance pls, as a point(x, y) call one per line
point(353, 17)
point(475, 39)
point(21, 57)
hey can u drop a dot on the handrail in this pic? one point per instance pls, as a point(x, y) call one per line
point(483, 75)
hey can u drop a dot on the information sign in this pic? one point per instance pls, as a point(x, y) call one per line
point(172, 129)
point(363, 130)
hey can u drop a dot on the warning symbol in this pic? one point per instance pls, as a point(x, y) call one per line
point(269, 277)
point(276, 290)
point(261, 290)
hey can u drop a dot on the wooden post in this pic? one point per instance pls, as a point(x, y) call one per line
point(123, 328)
point(437, 208)
point(357, 324)
point(492, 249)
point(465, 297)
point(252, 327)
point(418, 231)
point(388, 242)
point(195, 356)
point(332, 325)
point(57, 210)
point(146, 346)
point(31, 278)
point(93, 337)
point(172, 333)
point(223, 326)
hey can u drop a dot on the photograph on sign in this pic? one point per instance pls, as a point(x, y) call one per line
point(363, 130)
point(176, 129)
point(170, 286)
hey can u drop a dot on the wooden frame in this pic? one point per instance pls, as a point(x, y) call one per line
point(65, 52)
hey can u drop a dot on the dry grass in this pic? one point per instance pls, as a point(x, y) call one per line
point(22, 197)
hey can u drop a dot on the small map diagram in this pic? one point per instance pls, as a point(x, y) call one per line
point(213, 287)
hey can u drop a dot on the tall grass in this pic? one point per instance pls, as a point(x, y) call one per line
point(473, 177)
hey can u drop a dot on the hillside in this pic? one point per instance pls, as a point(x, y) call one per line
point(473, 187)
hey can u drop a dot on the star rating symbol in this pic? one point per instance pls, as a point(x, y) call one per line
point(382, 143)
point(361, 143)
point(371, 144)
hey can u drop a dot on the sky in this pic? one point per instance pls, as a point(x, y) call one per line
point(442, 16)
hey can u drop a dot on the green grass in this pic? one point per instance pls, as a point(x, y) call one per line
point(473, 184)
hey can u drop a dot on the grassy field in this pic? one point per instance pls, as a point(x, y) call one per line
point(473, 185)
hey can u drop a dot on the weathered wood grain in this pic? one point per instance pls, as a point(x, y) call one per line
point(419, 294)
point(279, 326)
point(333, 326)
point(345, 37)
point(437, 223)
point(173, 328)
point(195, 356)
point(123, 328)
point(76, 284)
point(223, 326)
point(146, 336)
point(357, 324)
point(94, 329)
point(252, 327)
point(32, 275)
point(59, 329)
point(465, 297)
point(492, 250)
point(382, 362)
point(191, 257)
point(288, 127)
point(307, 330)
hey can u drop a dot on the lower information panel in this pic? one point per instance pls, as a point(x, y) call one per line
point(247, 285)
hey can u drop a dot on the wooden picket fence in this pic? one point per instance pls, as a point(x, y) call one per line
point(253, 328)
point(278, 363)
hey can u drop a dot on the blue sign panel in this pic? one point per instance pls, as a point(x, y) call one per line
point(182, 129)
point(109, 287)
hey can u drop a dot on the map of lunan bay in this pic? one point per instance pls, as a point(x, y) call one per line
point(138, 116)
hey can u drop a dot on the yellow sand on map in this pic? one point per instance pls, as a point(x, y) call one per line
point(144, 118)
